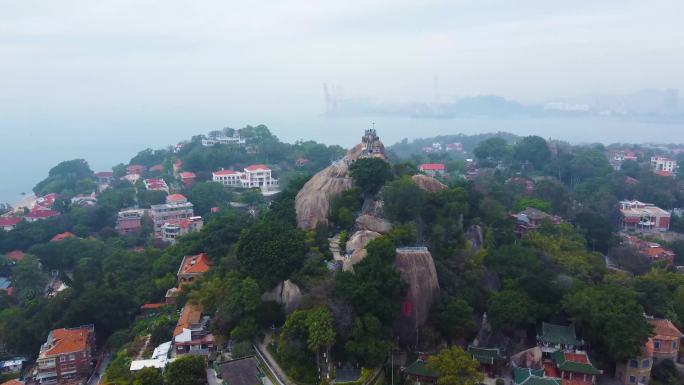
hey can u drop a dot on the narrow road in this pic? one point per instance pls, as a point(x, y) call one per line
point(211, 377)
point(96, 378)
point(262, 351)
point(144, 347)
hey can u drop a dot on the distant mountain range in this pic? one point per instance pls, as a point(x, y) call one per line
point(642, 104)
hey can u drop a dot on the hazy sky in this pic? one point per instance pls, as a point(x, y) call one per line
point(102, 79)
point(127, 57)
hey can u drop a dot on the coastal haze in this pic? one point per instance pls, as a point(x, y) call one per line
point(100, 81)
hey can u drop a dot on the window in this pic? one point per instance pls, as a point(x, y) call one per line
point(656, 344)
point(643, 379)
point(62, 358)
point(72, 357)
point(645, 363)
point(674, 345)
point(632, 379)
point(633, 363)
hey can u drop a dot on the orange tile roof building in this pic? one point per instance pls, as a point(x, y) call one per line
point(192, 267)
point(191, 335)
point(666, 339)
point(663, 345)
point(67, 355)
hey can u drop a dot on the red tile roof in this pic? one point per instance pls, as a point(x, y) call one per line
point(187, 175)
point(225, 172)
point(432, 167)
point(581, 358)
point(664, 173)
point(194, 264)
point(10, 221)
point(104, 174)
point(550, 370)
point(40, 214)
point(68, 341)
point(257, 167)
point(62, 236)
point(175, 198)
point(15, 255)
point(664, 329)
point(151, 306)
point(157, 167)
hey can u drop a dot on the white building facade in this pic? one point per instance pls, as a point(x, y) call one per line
point(662, 163)
point(254, 176)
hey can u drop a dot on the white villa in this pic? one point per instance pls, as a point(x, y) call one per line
point(254, 176)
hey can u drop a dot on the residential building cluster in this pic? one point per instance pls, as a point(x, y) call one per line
point(559, 358)
point(42, 208)
point(643, 217)
point(655, 252)
point(191, 334)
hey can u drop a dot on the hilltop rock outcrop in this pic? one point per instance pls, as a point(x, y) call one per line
point(285, 293)
point(371, 223)
point(428, 183)
point(313, 200)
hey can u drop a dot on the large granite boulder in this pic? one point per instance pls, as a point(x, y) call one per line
point(428, 183)
point(371, 223)
point(285, 293)
point(417, 268)
point(360, 239)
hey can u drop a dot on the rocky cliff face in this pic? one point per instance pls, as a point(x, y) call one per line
point(428, 183)
point(287, 294)
point(475, 238)
point(417, 268)
point(313, 200)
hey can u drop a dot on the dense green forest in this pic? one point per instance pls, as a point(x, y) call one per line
point(555, 273)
